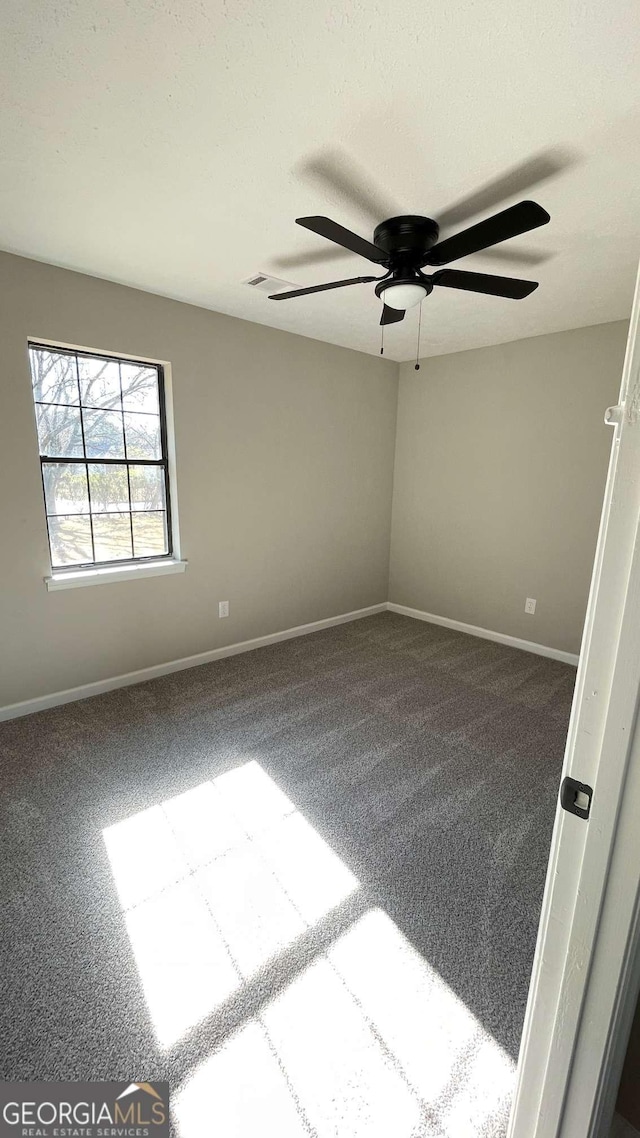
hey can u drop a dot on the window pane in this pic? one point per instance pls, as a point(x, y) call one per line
point(59, 431)
point(140, 388)
point(54, 377)
point(65, 488)
point(112, 536)
point(143, 435)
point(147, 487)
point(103, 434)
point(99, 382)
point(149, 535)
point(109, 489)
point(70, 540)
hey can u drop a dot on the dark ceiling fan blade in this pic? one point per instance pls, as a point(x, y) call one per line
point(334, 169)
point(510, 222)
point(321, 288)
point(518, 180)
point(325, 227)
point(510, 287)
point(391, 315)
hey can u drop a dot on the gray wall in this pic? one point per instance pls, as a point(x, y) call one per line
point(285, 464)
point(285, 451)
point(501, 460)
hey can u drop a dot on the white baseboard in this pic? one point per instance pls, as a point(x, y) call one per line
point(83, 691)
point(486, 634)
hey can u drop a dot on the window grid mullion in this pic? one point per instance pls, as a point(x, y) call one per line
point(52, 458)
point(86, 468)
point(101, 513)
point(90, 407)
point(126, 458)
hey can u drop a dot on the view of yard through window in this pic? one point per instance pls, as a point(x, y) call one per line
point(104, 467)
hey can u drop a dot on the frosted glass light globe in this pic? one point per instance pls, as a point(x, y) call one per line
point(403, 296)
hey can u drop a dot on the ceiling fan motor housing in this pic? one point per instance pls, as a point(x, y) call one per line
point(406, 239)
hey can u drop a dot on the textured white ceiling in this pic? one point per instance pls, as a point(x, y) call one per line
point(160, 142)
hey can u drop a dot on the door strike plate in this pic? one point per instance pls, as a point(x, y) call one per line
point(576, 797)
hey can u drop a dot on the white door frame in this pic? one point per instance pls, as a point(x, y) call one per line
point(584, 971)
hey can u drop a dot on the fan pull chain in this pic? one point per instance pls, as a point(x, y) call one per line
point(382, 340)
point(417, 364)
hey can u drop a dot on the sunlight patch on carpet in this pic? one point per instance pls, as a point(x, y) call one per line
point(214, 883)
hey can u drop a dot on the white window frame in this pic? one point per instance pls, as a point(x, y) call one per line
point(70, 578)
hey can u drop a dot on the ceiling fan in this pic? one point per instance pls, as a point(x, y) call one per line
point(405, 245)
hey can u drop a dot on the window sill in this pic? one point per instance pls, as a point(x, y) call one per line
point(78, 578)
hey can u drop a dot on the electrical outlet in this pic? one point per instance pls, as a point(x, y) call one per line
point(530, 605)
point(223, 608)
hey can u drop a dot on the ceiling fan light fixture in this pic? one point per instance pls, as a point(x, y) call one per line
point(403, 295)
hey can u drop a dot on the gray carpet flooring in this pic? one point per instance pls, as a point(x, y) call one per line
point(300, 884)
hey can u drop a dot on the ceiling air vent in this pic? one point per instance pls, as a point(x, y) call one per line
point(266, 283)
